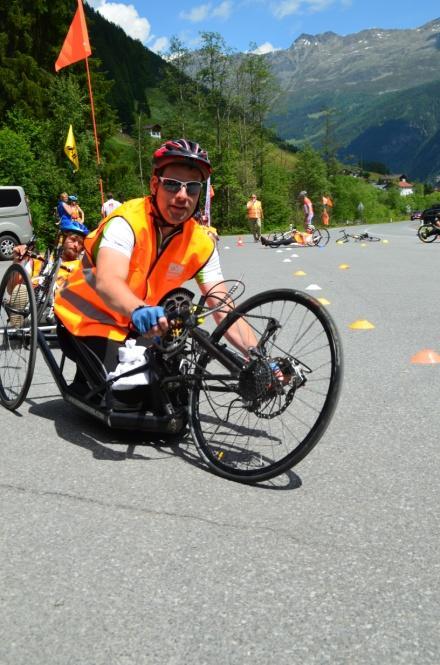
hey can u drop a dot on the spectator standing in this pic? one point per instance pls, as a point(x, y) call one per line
point(308, 211)
point(77, 213)
point(327, 203)
point(255, 216)
point(110, 205)
point(64, 209)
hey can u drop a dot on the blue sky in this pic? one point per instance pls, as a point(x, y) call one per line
point(271, 24)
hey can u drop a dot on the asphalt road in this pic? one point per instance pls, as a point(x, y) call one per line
point(116, 553)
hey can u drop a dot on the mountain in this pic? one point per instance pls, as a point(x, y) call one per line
point(383, 90)
point(135, 70)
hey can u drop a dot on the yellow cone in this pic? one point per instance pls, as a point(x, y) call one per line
point(299, 273)
point(324, 301)
point(363, 244)
point(361, 324)
point(344, 266)
point(385, 242)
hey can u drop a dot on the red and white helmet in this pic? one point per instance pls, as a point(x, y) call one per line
point(181, 150)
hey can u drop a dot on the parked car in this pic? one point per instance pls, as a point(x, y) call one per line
point(416, 214)
point(15, 220)
point(429, 215)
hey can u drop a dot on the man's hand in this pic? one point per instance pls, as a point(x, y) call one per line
point(149, 321)
point(18, 253)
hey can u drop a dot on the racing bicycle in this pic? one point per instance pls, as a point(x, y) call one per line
point(251, 417)
point(358, 237)
point(320, 238)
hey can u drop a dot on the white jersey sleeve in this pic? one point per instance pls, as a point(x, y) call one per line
point(118, 235)
point(211, 271)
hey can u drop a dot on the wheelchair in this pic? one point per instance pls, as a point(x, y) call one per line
point(251, 417)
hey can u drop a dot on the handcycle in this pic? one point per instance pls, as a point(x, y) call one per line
point(44, 282)
point(319, 238)
point(357, 237)
point(428, 232)
point(247, 423)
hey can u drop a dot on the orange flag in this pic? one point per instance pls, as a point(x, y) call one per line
point(76, 45)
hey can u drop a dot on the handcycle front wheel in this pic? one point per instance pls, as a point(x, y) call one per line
point(426, 233)
point(18, 336)
point(255, 427)
point(321, 237)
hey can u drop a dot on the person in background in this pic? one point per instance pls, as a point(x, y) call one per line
point(255, 216)
point(72, 242)
point(64, 209)
point(327, 203)
point(109, 205)
point(308, 211)
point(203, 220)
point(77, 213)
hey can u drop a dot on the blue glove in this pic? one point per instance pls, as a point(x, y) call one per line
point(144, 318)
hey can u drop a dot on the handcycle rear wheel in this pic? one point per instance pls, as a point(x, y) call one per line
point(18, 336)
point(321, 237)
point(254, 428)
point(426, 233)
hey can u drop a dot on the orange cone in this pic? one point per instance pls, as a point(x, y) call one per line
point(240, 242)
point(426, 357)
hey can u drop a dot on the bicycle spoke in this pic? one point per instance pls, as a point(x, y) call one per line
point(264, 427)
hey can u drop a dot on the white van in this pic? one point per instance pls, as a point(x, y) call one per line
point(15, 220)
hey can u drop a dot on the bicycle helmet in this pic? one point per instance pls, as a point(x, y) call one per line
point(72, 226)
point(181, 150)
point(73, 198)
point(303, 193)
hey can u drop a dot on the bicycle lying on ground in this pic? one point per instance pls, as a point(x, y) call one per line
point(251, 418)
point(358, 237)
point(317, 238)
point(428, 232)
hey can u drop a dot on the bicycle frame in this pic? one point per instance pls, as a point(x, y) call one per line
point(174, 419)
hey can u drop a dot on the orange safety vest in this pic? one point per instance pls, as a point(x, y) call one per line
point(150, 277)
point(254, 210)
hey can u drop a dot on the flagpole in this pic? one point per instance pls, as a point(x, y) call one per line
point(95, 133)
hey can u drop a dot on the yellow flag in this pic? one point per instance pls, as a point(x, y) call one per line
point(70, 149)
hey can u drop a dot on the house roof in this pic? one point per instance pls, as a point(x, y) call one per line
point(403, 183)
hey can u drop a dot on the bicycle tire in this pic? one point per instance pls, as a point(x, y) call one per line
point(18, 336)
point(426, 233)
point(321, 237)
point(249, 444)
point(275, 236)
point(373, 239)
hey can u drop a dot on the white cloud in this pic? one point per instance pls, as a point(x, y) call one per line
point(265, 48)
point(319, 5)
point(159, 44)
point(223, 10)
point(206, 11)
point(196, 14)
point(288, 7)
point(127, 17)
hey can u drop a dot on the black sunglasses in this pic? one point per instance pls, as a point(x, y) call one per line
point(173, 186)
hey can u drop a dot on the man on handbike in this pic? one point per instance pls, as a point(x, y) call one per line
point(137, 254)
point(72, 234)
